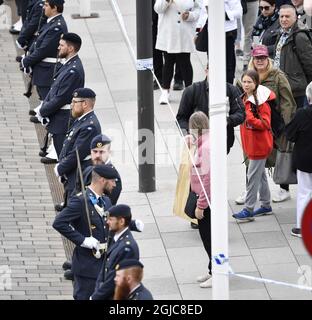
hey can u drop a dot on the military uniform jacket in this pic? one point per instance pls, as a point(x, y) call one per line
point(67, 79)
point(34, 17)
point(87, 176)
point(45, 46)
point(140, 293)
point(124, 248)
point(72, 224)
point(78, 136)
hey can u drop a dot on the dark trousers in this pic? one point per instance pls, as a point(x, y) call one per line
point(230, 55)
point(83, 288)
point(42, 92)
point(205, 234)
point(21, 8)
point(158, 61)
point(183, 61)
point(58, 140)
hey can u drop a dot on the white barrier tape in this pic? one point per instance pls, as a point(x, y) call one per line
point(144, 64)
point(264, 280)
point(119, 17)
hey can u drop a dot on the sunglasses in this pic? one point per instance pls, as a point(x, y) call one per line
point(266, 8)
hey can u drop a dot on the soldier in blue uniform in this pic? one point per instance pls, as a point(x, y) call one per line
point(80, 135)
point(42, 55)
point(121, 247)
point(72, 223)
point(55, 109)
point(100, 154)
point(34, 20)
point(128, 280)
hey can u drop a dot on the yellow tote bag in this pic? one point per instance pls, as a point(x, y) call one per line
point(183, 185)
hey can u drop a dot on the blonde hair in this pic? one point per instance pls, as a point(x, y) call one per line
point(199, 122)
point(263, 76)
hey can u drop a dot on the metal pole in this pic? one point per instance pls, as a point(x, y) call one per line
point(217, 113)
point(146, 139)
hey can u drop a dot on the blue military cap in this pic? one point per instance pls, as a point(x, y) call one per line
point(71, 37)
point(106, 171)
point(55, 2)
point(120, 210)
point(99, 141)
point(128, 263)
point(84, 93)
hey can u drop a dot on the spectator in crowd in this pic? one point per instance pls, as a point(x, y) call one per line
point(199, 128)
point(176, 31)
point(279, 3)
point(302, 16)
point(267, 27)
point(196, 97)
point(249, 19)
point(257, 143)
point(293, 53)
point(21, 6)
point(299, 131)
point(275, 80)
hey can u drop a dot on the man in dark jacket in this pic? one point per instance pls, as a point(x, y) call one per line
point(299, 131)
point(196, 97)
point(293, 53)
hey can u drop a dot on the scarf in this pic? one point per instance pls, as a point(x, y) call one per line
point(264, 23)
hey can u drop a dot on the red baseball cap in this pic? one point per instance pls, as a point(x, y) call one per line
point(260, 51)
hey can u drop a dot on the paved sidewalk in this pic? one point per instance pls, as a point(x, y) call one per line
point(171, 251)
point(29, 247)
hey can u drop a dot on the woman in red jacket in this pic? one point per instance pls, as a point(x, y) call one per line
point(257, 143)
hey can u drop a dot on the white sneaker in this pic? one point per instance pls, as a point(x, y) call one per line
point(242, 198)
point(18, 25)
point(206, 284)
point(281, 195)
point(164, 97)
point(203, 278)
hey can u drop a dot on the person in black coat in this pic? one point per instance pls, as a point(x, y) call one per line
point(34, 20)
point(121, 247)
point(100, 154)
point(42, 57)
point(79, 136)
point(72, 223)
point(195, 98)
point(267, 27)
point(128, 280)
point(299, 131)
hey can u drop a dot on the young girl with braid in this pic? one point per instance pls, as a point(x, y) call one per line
point(257, 143)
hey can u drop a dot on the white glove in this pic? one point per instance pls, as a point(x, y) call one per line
point(56, 172)
point(139, 224)
point(90, 243)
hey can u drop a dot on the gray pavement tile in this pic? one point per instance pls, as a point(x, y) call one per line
point(151, 248)
point(285, 215)
point(261, 224)
point(243, 264)
point(181, 239)
point(150, 232)
point(297, 246)
point(267, 239)
point(270, 256)
point(254, 294)
point(238, 247)
point(237, 283)
point(172, 224)
point(286, 272)
point(305, 260)
point(157, 286)
point(182, 261)
point(190, 291)
point(157, 268)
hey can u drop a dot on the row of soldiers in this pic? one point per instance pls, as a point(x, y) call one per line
point(105, 262)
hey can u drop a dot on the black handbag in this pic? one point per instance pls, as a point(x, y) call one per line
point(201, 42)
point(191, 204)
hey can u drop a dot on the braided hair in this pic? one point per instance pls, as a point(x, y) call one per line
point(253, 74)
